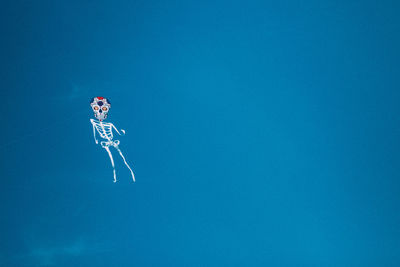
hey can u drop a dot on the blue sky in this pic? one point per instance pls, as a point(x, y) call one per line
point(261, 133)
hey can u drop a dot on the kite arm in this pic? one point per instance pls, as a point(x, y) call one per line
point(94, 131)
point(122, 130)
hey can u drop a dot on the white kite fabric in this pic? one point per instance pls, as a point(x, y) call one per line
point(101, 106)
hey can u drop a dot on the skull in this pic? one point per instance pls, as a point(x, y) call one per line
point(100, 106)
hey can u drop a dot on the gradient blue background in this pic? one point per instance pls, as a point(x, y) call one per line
point(262, 133)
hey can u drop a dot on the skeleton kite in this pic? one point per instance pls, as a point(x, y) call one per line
point(101, 106)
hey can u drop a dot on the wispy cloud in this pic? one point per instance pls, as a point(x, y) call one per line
point(77, 92)
point(88, 91)
point(54, 255)
point(74, 92)
point(47, 256)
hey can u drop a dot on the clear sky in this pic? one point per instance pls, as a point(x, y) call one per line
point(261, 133)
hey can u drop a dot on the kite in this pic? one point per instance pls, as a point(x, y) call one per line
point(101, 106)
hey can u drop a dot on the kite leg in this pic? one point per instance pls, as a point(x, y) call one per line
point(112, 163)
point(119, 150)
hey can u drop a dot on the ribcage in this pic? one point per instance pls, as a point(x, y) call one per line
point(104, 130)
